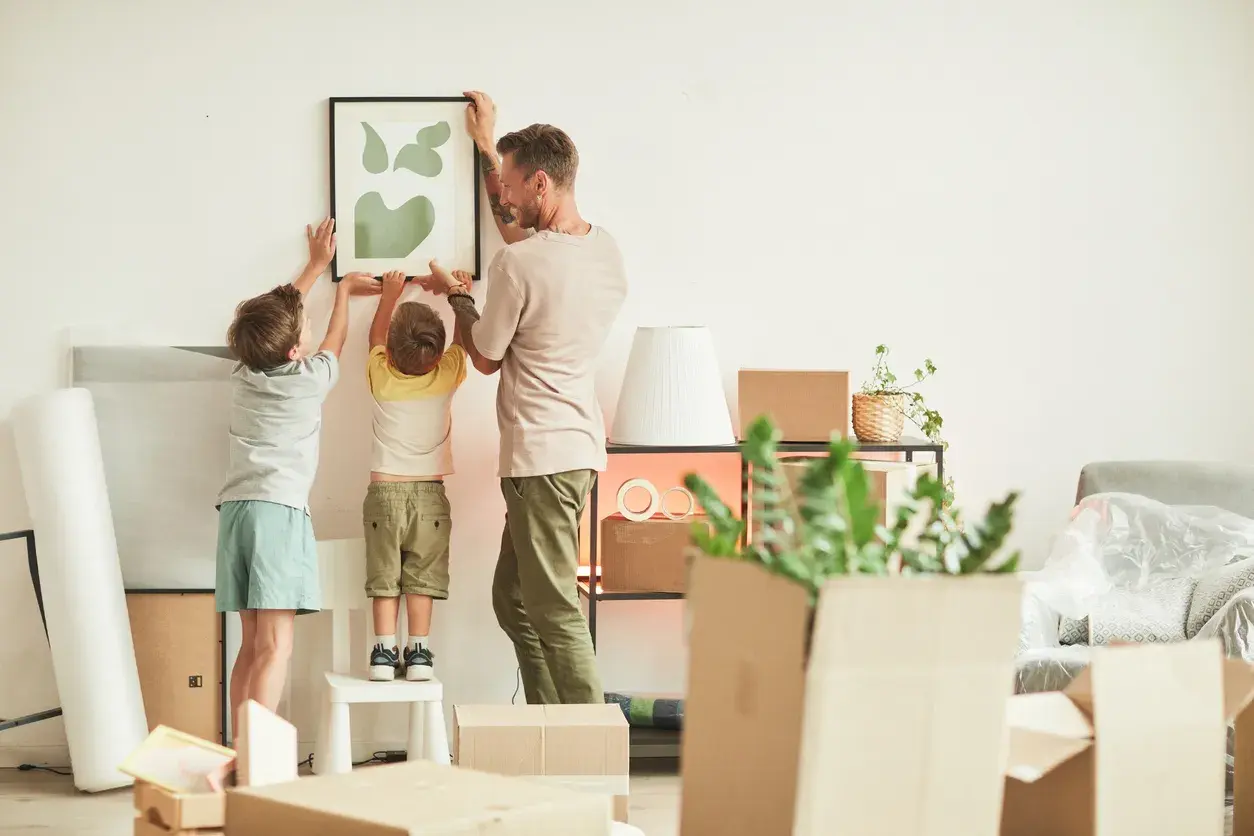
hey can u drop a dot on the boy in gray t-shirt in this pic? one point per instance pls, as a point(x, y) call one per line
point(267, 561)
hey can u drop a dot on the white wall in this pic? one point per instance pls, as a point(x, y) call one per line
point(1053, 201)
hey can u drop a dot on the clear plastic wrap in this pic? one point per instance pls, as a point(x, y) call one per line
point(1127, 541)
point(1128, 548)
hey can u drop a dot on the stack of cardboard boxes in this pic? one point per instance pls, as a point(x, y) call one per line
point(574, 759)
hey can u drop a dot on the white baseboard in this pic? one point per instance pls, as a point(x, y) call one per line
point(11, 757)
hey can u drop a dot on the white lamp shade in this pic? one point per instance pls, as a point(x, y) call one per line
point(672, 393)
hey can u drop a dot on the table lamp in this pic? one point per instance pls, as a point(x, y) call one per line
point(672, 393)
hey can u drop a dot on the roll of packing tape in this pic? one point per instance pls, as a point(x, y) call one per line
point(671, 515)
point(654, 500)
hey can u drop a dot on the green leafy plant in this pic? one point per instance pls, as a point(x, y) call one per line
point(885, 382)
point(829, 527)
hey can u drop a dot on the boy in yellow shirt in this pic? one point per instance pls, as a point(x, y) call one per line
point(406, 513)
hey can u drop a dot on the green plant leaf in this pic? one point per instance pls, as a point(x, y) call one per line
point(374, 157)
point(433, 136)
point(419, 159)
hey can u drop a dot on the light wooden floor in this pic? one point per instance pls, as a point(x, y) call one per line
point(39, 804)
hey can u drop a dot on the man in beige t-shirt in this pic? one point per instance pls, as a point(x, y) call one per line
point(553, 295)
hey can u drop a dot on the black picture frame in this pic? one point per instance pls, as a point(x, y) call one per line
point(475, 163)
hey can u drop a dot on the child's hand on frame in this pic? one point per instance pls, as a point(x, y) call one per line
point(393, 282)
point(361, 284)
point(321, 243)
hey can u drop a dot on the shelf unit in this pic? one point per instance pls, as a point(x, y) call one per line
point(909, 446)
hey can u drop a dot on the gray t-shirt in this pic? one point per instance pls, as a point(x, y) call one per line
point(276, 416)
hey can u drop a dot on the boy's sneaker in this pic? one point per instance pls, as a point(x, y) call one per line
point(419, 664)
point(384, 664)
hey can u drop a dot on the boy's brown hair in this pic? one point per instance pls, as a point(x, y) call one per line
point(267, 328)
point(415, 338)
point(542, 148)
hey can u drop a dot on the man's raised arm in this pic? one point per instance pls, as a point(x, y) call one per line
point(481, 125)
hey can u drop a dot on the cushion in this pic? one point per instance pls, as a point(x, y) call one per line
point(1155, 613)
point(1216, 589)
point(1073, 631)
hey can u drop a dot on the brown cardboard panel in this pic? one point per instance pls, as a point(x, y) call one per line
point(1243, 775)
point(583, 747)
point(805, 405)
point(889, 483)
point(415, 797)
point(1033, 755)
point(178, 653)
point(904, 731)
point(746, 687)
point(179, 811)
point(647, 556)
point(502, 739)
point(1059, 804)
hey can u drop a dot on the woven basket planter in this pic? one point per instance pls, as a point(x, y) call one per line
point(878, 418)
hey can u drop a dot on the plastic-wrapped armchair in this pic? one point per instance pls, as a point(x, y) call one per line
point(1054, 648)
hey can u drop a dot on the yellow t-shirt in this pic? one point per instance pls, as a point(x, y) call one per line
point(413, 422)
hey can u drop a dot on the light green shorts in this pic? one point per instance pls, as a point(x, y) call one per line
point(267, 558)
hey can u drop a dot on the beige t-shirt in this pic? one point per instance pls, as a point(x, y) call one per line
point(552, 299)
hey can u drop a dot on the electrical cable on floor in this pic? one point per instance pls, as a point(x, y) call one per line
point(30, 767)
point(517, 684)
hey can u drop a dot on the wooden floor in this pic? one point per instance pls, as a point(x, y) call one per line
point(40, 804)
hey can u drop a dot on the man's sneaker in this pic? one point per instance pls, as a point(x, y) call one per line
point(384, 664)
point(419, 664)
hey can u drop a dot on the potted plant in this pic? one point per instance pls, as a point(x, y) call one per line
point(881, 409)
point(848, 663)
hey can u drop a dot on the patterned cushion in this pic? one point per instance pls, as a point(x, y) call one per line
point(1216, 589)
point(1156, 613)
point(1073, 631)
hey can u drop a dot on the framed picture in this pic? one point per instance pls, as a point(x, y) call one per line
point(404, 185)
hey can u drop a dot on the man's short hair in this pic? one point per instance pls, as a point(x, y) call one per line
point(543, 148)
point(415, 338)
point(267, 327)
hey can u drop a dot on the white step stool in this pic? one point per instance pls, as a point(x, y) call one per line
point(342, 565)
point(428, 738)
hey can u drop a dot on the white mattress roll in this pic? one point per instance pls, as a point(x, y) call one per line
point(93, 657)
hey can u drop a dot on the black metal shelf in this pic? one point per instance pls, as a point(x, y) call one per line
point(585, 592)
point(909, 446)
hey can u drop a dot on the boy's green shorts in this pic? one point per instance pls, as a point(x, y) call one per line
point(267, 558)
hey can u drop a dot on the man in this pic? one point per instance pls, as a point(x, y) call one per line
point(553, 294)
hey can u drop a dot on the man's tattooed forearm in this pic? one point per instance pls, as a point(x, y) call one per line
point(500, 211)
point(487, 163)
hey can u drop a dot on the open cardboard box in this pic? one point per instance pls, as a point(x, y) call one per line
point(882, 711)
point(1133, 747)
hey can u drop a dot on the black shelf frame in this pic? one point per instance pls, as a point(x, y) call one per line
point(909, 446)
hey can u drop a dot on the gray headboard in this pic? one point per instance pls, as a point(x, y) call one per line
point(1226, 486)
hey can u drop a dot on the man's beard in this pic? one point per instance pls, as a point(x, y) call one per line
point(529, 214)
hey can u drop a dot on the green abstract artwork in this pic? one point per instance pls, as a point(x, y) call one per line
point(381, 232)
point(374, 158)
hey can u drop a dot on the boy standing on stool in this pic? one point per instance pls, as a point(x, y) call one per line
point(267, 561)
point(406, 513)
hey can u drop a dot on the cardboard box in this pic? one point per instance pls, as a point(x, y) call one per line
point(894, 725)
point(170, 812)
point(889, 482)
point(583, 747)
point(647, 556)
point(416, 797)
point(144, 827)
point(805, 405)
point(1134, 746)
